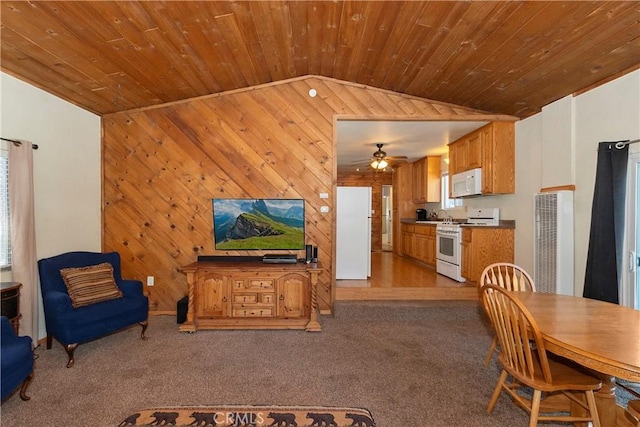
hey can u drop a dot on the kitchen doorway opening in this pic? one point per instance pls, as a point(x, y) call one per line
point(387, 218)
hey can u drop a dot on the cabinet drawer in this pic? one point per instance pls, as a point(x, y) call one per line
point(245, 298)
point(267, 298)
point(260, 284)
point(253, 312)
point(238, 284)
point(408, 228)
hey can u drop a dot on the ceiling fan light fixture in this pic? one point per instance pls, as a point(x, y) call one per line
point(379, 164)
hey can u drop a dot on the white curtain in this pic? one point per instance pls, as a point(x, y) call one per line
point(24, 266)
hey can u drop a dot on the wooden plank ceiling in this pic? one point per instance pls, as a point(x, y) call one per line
point(500, 57)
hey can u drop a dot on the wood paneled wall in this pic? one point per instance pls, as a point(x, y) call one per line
point(375, 181)
point(163, 165)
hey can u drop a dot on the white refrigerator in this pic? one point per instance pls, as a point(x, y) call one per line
point(353, 233)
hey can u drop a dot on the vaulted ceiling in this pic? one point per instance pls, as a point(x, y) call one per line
point(502, 57)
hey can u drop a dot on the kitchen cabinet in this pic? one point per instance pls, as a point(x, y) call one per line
point(403, 206)
point(408, 240)
point(251, 295)
point(419, 242)
point(492, 148)
point(466, 153)
point(482, 246)
point(402, 188)
point(425, 236)
point(426, 180)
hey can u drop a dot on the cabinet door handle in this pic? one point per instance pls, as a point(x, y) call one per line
point(224, 299)
point(281, 297)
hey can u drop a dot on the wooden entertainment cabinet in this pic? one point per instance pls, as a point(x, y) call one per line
point(235, 293)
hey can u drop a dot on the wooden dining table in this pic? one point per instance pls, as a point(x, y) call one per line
point(600, 336)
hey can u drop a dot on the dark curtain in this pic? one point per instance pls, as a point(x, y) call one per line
point(604, 259)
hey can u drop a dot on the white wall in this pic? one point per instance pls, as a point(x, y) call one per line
point(558, 147)
point(67, 174)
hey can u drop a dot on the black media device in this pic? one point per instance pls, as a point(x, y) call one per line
point(308, 254)
point(315, 254)
point(279, 259)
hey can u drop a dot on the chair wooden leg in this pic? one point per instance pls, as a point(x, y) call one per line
point(535, 408)
point(70, 349)
point(492, 349)
point(23, 388)
point(49, 341)
point(497, 391)
point(593, 409)
point(144, 328)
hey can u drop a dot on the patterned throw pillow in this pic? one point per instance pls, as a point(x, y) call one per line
point(88, 285)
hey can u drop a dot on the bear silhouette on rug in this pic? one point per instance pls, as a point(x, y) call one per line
point(164, 419)
point(282, 420)
point(360, 420)
point(322, 420)
point(204, 419)
point(131, 420)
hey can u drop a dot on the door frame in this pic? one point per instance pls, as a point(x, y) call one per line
point(629, 283)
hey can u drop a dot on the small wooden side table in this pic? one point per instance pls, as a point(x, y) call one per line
point(10, 295)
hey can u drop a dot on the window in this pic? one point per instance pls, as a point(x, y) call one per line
point(5, 224)
point(447, 203)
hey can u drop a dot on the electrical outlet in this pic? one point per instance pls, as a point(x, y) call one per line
point(150, 281)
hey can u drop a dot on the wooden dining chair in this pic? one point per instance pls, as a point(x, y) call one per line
point(510, 277)
point(633, 405)
point(529, 365)
point(633, 409)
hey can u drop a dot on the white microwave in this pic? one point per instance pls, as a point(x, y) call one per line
point(467, 183)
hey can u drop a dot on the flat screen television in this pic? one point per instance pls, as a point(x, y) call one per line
point(258, 224)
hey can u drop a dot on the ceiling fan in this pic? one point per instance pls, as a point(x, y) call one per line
point(380, 161)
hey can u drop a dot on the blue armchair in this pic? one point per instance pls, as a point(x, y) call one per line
point(72, 326)
point(16, 360)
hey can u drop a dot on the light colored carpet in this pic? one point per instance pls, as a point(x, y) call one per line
point(409, 363)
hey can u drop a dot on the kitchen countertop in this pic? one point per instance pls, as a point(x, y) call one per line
point(505, 223)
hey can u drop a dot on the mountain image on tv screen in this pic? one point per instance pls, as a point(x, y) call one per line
point(258, 224)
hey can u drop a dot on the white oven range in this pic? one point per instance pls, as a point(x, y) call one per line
point(449, 240)
point(449, 250)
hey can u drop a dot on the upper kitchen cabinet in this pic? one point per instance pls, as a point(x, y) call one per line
point(402, 190)
point(492, 148)
point(426, 180)
point(466, 153)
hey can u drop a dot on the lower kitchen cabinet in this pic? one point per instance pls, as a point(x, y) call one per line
point(408, 240)
point(482, 246)
point(419, 242)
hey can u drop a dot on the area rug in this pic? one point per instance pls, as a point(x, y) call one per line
point(251, 416)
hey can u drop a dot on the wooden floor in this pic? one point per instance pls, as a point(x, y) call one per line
point(399, 278)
